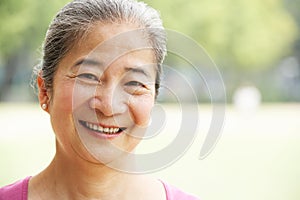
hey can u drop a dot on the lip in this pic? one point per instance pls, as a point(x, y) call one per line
point(102, 131)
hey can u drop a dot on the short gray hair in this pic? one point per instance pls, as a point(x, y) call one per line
point(73, 21)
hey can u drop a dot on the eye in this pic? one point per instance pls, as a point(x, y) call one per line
point(137, 88)
point(88, 76)
point(135, 83)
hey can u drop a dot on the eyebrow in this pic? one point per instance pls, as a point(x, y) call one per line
point(137, 70)
point(92, 62)
point(85, 61)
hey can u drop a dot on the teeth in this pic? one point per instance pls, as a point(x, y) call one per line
point(101, 129)
point(95, 127)
point(111, 130)
point(106, 130)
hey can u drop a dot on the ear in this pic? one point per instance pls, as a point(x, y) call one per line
point(43, 93)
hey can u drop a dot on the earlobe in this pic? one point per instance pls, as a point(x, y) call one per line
point(43, 93)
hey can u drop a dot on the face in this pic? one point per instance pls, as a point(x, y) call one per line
point(103, 93)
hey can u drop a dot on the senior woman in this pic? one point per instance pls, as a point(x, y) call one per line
point(98, 81)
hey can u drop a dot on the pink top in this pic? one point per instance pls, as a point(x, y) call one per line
point(15, 191)
point(19, 191)
point(173, 193)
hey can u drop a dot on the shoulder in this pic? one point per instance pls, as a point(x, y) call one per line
point(15, 191)
point(174, 193)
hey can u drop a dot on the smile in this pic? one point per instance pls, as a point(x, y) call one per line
point(101, 129)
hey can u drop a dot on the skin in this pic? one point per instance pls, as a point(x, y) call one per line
point(108, 90)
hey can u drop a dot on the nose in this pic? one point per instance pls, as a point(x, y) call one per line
point(109, 101)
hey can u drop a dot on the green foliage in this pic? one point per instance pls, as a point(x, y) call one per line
point(248, 35)
point(24, 23)
point(236, 33)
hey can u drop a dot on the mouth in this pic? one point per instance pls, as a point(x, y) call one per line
point(105, 130)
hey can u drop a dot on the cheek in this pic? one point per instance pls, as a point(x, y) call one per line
point(70, 95)
point(140, 109)
point(62, 99)
point(81, 94)
point(61, 112)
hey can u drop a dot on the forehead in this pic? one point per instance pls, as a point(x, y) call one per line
point(111, 41)
point(115, 39)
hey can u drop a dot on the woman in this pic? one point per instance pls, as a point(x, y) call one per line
point(98, 81)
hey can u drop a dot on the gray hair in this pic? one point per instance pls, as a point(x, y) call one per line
point(73, 21)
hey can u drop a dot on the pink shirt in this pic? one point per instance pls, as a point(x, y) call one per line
point(19, 191)
point(173, 193)
point(15, 191)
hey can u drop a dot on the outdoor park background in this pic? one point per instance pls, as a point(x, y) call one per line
point(255, 45)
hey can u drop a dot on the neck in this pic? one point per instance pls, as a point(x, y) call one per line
point(81, 179)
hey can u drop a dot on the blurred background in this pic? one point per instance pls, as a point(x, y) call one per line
point(253, 43)
point(256, 47)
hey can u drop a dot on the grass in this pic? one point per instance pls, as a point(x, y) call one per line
point(257, 156)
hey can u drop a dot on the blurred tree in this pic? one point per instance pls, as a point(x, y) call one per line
point(23, 26)
point(245, 35)
point(293, 6)
point(238, 34)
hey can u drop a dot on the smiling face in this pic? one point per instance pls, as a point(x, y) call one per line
point(103, 93)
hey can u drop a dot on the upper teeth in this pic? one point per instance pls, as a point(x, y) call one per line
point(102, 129)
